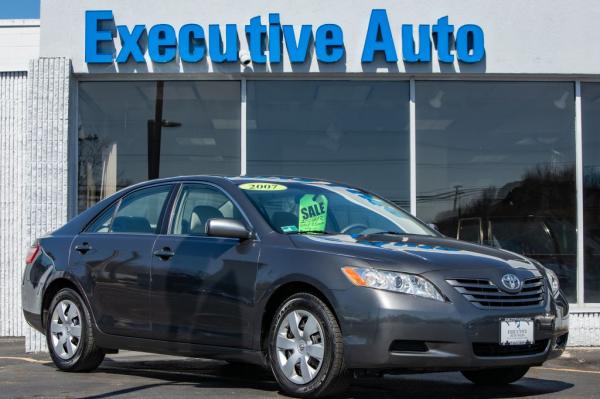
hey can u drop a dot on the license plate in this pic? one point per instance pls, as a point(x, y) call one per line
point(516, 331)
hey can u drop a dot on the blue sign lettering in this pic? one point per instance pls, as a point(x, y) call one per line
point(219, 52)
point(297, 50)
point(329, 43)
point(191, 44)
point(256, 32)
point(379, 38)
point(443, 31)
point(95, 35)
point(162, 43)
point(130, 43)
point(409, 53)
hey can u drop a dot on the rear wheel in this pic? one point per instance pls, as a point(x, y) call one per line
point(69, 334)
point(306, 348)
point(501, 376)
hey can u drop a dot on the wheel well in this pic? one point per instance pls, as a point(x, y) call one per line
point(51, 291)
point(276, 299)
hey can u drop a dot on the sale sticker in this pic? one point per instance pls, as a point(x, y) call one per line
point(312, 213)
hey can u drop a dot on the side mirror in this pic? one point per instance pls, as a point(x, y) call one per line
point(229, 228)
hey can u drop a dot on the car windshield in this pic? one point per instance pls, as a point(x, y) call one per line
point(325, 208)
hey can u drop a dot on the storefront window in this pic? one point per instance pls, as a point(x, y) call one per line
point(591, 189)
point(352, 132)
point(135, 131)
point(500, 155)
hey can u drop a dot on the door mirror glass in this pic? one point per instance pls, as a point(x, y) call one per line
point(228, 228)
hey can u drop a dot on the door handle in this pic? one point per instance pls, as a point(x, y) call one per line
point(164, 254)
point(83, 248)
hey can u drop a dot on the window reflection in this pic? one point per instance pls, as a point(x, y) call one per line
point(499, 157)
point(348, 131)
point(591, 181)
point(135, 131)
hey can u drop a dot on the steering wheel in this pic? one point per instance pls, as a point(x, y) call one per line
point(353, 226)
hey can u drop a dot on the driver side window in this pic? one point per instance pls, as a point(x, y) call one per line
point(198, 204)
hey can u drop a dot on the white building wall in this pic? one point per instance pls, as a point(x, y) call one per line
point(46, 176)
point(584, 329)
point(521, 37)
point(19, 43)
point(13, 90)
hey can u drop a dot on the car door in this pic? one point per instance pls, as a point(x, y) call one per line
point(203, 286)
point(113, 257)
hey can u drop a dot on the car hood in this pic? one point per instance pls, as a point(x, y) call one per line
point(415, 253)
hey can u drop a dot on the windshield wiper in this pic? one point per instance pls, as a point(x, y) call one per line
point(393, 233)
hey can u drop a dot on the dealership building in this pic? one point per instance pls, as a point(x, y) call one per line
point(481, 117)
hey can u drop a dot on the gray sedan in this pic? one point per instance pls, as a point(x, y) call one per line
point(316, 280)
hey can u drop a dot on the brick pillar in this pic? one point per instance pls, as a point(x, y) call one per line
point(47, 152)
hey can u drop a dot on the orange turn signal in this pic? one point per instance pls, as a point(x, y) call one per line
point(353, 276)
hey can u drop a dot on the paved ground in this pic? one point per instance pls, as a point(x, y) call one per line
point(137, 375)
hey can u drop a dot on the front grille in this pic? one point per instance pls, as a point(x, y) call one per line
point(497, 350)
point(485, 294)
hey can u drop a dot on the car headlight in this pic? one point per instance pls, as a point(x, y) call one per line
point(553, 280)
point(392, 281)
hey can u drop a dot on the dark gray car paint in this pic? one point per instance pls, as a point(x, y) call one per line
point(212, 303)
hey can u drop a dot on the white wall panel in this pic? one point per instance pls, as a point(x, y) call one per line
point(584, 329)
point(12, 122)
point(47, 154)
point(19, 43)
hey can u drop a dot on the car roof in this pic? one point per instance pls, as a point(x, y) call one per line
point(241, 179)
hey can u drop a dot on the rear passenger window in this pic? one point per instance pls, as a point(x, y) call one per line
point(198, 204)
point(102, 223)
point(140, 211)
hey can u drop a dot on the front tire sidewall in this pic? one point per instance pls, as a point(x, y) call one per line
point(333, 348)
point(72, 363)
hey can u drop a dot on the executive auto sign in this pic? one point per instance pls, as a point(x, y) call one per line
point(192, 43)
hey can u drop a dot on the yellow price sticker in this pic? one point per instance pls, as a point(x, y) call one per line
point(262, 187)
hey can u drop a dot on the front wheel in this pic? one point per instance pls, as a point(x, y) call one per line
point(502, 376)
point(306, 348)
point(69, 333)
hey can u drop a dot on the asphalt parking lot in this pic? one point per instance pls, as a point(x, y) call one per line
point(136, 375)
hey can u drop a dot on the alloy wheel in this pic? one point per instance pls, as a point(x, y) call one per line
point(300, 346)
point(65, 329)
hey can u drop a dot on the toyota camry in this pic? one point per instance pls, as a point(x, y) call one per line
point(317, 281)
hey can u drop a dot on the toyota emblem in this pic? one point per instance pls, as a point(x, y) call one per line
point(511, 282)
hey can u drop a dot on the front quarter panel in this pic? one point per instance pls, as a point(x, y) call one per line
point(280, 265)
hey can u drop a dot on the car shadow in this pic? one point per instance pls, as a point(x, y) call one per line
point(215, 374)
point(449, 385)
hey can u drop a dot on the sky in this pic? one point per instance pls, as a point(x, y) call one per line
point(19, 9)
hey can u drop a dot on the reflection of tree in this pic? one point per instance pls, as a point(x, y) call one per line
point(542, 191)
point(591, 224)
point(535, 216)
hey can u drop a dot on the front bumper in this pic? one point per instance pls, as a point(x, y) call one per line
point(390, 331)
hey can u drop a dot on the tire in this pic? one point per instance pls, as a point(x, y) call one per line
point(501, 376)
point(318, 360)
point(69, 334)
